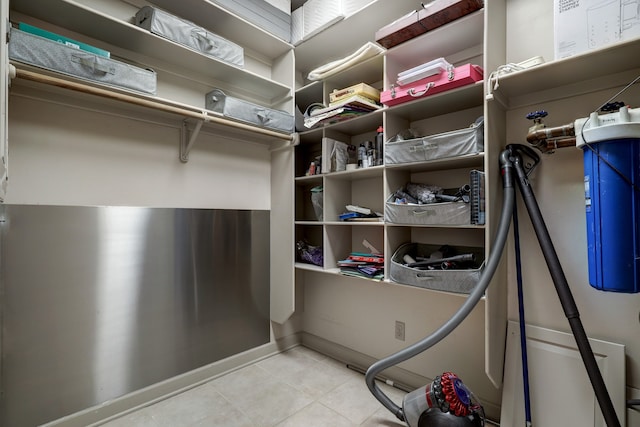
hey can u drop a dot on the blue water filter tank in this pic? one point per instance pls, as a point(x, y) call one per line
point(612, 203)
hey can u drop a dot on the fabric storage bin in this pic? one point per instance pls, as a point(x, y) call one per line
point(443, 213)
point(313, 17)
point(51, 55)
point(262, 14)
point(247, 112)
point(188, 34)
point(458, 281)
point(448, 144)
point(283, 5)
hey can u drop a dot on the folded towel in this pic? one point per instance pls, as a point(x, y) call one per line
point(368, 50)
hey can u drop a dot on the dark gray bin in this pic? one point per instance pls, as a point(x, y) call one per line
point(188, 34)
point(248, 112)
point(458, 281)
point(51, 55)
point(439, 146)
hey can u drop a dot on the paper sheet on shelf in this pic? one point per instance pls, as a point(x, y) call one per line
point(583, 25)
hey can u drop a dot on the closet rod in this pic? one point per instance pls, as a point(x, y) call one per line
point(182, 111)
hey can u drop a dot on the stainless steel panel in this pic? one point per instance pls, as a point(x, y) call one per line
point(101, 301)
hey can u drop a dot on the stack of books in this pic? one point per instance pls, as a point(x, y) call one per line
point(358, 264)
point(359, 213)
point(353, 106)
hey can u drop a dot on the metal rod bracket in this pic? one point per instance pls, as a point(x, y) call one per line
point(188, 138)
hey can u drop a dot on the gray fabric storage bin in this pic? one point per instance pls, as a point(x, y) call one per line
point(448, 144)
point(458, 281)
point(261, 14)
point(247, 112)
point(188, 34)
point(51, 55)
point(443, 213)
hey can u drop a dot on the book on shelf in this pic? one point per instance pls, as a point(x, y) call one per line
point(351, 107)
point(368, 258)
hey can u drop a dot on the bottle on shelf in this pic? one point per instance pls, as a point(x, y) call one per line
point(362, 156)
point(379, 146)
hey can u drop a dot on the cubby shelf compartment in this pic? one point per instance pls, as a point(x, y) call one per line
point(448, 41)
point(453, 100)
point(365, 123)
point(355, 223)
point(466, 161)
point(309, 267)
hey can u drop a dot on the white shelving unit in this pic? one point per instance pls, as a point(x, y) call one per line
point(341, 188)
point(459, 42)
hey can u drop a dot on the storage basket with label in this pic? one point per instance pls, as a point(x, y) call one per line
point(439, 146)
point(248, 112)
point(51, 55)
point(458, 280)
point(442, 213)
point(188, 34)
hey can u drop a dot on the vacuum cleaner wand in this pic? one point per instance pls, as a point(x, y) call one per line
point(562, 289)
point(472, 300)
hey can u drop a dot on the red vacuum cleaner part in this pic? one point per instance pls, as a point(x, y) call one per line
point(448, 393)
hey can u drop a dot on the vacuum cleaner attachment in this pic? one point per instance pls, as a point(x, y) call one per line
point(446, 401)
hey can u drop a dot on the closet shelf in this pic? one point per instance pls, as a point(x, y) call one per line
point(188, 113)
point(93, 22)
point(583, 73)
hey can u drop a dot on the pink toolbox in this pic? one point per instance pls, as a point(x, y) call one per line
point(446, 80)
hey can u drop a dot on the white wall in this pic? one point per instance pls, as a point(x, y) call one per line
point(66, 155)
point(361, 315)
point(559, 187)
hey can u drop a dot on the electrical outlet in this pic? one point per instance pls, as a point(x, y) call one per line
point(399, 330)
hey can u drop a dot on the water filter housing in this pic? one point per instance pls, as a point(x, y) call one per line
point(612, 198)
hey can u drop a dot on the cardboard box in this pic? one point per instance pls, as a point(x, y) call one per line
point(441, 12)
point(400, 31)
point(433, 15)
point(361, 89)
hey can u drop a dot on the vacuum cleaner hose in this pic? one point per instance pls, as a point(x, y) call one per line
point(472, 300)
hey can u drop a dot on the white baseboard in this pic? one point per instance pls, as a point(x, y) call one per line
point(361, 361)
point(107, 411)
point(402, 378)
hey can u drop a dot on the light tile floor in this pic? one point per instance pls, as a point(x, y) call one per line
point(296, 388)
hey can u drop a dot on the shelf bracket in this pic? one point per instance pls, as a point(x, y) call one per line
point(188, 138)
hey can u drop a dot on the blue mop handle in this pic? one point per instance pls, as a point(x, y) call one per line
point(523, 334)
